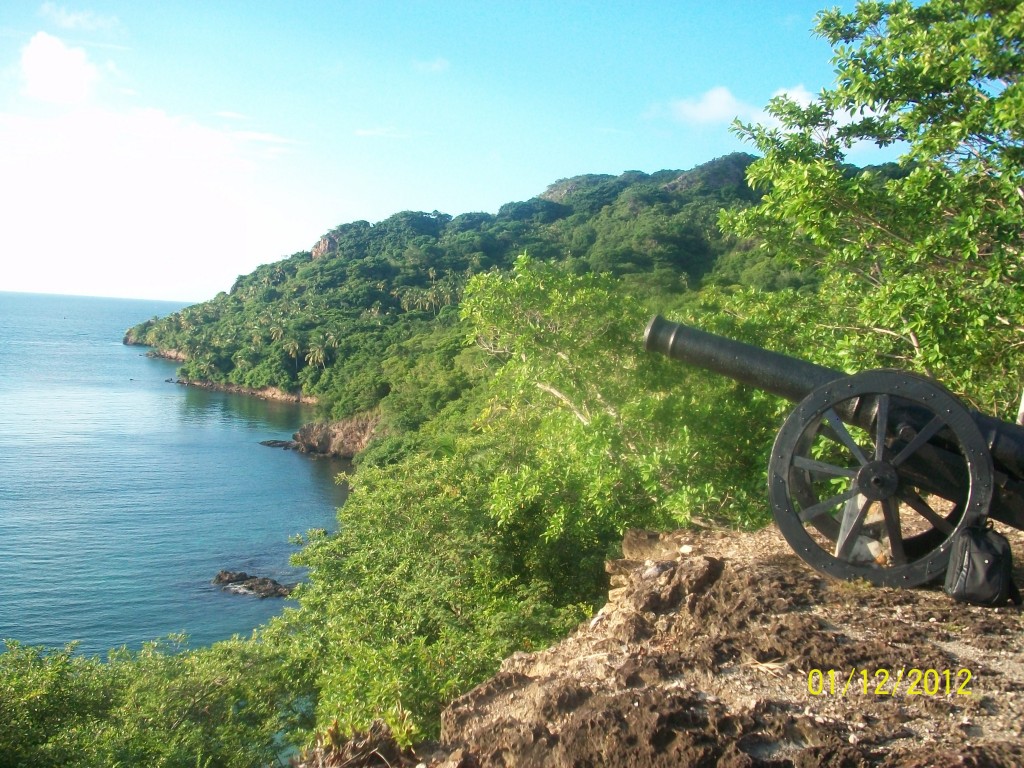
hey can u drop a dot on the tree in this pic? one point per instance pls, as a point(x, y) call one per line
point(601, 435)
point(923, 268)
point(316, 353)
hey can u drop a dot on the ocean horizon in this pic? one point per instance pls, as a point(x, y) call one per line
point(122, 494)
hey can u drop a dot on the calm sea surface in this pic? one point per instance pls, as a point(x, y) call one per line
point(122, 495)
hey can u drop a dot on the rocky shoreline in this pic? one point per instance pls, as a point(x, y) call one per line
point(176, 355)
point(264, 393)
point(342, 439)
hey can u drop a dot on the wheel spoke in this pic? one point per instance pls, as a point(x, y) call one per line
point(919, 505)
point(853, 520)
point(824, 506)
point(842, 451)
point(822, 468)
point(891, 511)
point(840, 429)
point(922, 437)
point(881, 426)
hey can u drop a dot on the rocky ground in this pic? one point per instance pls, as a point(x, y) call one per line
point(725, 649)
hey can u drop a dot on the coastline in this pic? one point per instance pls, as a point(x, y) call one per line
point(157, 491)
point(342, 438)
point(264, 393)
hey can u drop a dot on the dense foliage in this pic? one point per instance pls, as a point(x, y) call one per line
point(926, 263)
point(524, 429)
point(227, 706)
point(326, 324)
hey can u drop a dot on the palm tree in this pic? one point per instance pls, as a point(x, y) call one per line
point(291, 348)
point(316, 354)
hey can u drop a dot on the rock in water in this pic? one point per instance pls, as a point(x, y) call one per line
point(286, 444)
point(242, 583)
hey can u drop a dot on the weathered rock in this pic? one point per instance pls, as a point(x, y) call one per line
point(344, 438)
point(324, 246)
point(287, 445)
point(706, 655)
point(242, 583)
point(264, 393)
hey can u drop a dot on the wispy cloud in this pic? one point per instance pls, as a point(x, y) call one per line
point(263, 138)
point(83, 21)
point(797, 93)
point(272, 144)
point(56, 73)
point(437, 65)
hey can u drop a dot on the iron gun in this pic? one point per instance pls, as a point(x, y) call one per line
point(872, 474)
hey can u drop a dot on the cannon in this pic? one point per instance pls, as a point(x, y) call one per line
point(874, 473)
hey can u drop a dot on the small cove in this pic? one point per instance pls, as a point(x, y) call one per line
point(122, 495)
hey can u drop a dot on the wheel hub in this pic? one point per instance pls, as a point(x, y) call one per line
point(877, 480)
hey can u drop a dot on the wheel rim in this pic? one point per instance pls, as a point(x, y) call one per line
point(872, 476)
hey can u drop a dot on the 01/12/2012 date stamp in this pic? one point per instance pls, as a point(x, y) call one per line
point(886, 682)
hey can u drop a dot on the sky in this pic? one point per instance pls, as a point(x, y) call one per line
point(160, 150)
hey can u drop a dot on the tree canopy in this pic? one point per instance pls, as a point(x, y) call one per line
point(925, 264)
point(324, 323)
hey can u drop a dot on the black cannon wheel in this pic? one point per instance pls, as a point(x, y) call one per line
point(873, 474)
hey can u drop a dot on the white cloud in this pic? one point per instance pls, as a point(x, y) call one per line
point(85, 21)
point(133, 202)
point(259, 137)
point(140, 203)
point(439, 64)
point(797, 93)
point(56, 73)
point(717, 105)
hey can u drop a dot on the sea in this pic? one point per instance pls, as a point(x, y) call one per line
point(123, 493)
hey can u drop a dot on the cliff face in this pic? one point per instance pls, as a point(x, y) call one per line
point(706, 655)
point(343, 438)
point(324, 246)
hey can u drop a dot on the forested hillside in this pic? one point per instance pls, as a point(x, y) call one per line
point(323, 320)
point(524, 428)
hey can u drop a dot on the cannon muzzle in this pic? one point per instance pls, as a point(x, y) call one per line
point(785, 376)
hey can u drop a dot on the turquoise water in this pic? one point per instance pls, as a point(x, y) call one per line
point(122, 495)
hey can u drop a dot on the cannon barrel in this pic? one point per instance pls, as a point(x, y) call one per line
point(785, 376)
point(793, 379)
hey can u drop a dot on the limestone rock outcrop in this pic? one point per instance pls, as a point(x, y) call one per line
point(324, 246)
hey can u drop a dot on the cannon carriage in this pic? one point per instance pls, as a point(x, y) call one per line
point(873, 474)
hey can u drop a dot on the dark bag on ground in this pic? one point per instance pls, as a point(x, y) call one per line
point(981, 568)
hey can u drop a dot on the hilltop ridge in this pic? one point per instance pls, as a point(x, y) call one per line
point(320, 321)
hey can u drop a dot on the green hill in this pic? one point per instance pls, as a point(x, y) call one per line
point(322, 321)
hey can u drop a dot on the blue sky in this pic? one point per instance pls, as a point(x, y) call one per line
point(158, 150)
